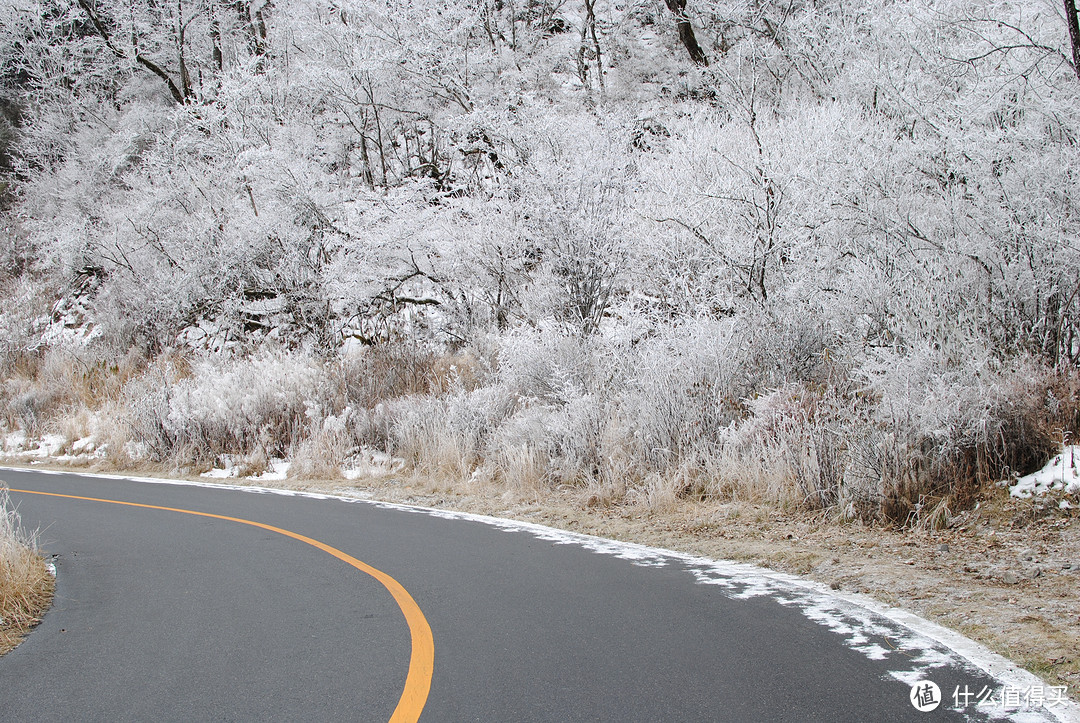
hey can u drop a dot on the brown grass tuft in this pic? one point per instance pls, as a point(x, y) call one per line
point(26, 586)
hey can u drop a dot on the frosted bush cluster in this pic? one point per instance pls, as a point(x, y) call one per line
point(677, 410)
point(235, 407)
point(820, 253)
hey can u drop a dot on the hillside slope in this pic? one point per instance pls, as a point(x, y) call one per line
point(820, 254)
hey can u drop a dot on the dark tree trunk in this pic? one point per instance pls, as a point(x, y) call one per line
point(215, 39)
point(1074, 33)
point(255, 23)
point(686, 31)
point(180, 96)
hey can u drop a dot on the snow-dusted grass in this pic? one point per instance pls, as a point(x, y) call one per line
point(671, 421)
point(445, 436)
point(25, 583)
point(239, 407)
point(699, 412)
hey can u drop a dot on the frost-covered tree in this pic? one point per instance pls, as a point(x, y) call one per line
point(830, 203)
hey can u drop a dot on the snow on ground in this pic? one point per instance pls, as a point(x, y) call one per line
point(84, 445)
point(1060, 473)
point(14, 441)
point(278, 470)
point(16, 445)
point(222, 472)
point(371, 463)
point(365, 464)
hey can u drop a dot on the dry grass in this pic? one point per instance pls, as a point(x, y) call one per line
point(26, 586)
point(321, 454)
point(672, 422)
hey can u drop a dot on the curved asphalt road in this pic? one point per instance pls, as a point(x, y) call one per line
point(161, 615)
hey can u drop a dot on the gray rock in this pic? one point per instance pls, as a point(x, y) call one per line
point(943, 547)
point(1010, 578)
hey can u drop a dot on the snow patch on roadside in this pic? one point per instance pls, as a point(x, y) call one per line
point(14, 441)
point(1061, 473)
point(85, 445)
point(16, 446)
point(231, 472)
point(365, 464)
point(279, 470)
point(369, 463)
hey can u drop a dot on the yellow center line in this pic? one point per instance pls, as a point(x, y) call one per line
point(422, 659)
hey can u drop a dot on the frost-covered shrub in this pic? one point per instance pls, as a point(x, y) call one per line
point(548, 444)
point(938, 429)
point(30, 407)
point(555, 366)
point(445, 435)
point(687, 387)
point(384, 372)
point(321, 453)
point(387, 371)
point(24, 301)
point(805, 428)
point(146, 401)
point(48, 382)
point(656, 417)
point(563, 386)
point(229, 407)
point(47, 386)
point(683, 389)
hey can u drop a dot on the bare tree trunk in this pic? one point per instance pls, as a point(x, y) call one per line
point(99, 25)
point(259, 31)
point(369, 176)
point(256, 29)
point(686, 31)
point(590, 24)
point(1074, 34)
point(513, 26)
point(378, 134)
point(491, 20)
point(181, 40)
point(582, 63)
point(1052, 336)
point(215, 38)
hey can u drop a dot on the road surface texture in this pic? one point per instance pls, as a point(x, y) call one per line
point(162, 614)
